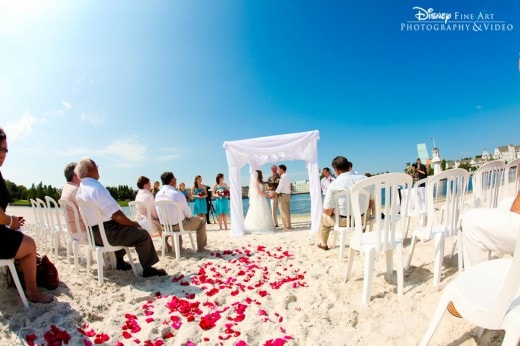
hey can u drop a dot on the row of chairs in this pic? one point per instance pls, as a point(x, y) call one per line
point(442, 220)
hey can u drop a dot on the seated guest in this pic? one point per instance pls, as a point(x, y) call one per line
point(490, 230)
point(69, 193)
point(120, 230)
point(145, 195)
point(345, 179)
point(15, 244)
point(169, 192)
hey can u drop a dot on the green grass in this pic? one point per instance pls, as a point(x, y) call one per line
point(21, 203)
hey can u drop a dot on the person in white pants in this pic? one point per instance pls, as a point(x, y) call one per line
point(490, 232)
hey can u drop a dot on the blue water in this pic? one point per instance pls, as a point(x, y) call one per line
point(300, 204)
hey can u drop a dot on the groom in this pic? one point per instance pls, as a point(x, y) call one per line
point(283, 193)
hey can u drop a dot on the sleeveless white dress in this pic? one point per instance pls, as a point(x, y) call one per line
point(258, 218)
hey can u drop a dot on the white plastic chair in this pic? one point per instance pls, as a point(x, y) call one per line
point(413, 205)
point(342, 203)
point(77, 239)
point(165, 210)
point(511, 184)
point(384, 237)
point(89, 208)
point(40, 222)
point(439, 227)
point(486, 184)
point(10, 263)
point(487, 295)
point(141, 211)
point(58, 230)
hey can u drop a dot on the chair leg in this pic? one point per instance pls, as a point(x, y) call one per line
point(75, 249)
point(370, 257)
point(134, 268)
point(351, 256)
point(412, 247)
point(437, 317)
point(193, 246)
point(400, 271)
point(99, 256)
point(459, 255)
point(163, 244)
point(14, 274)
point(439, 256)
point(342, 241)
point(176, 243)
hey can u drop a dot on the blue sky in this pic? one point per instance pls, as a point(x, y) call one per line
point(144, 87)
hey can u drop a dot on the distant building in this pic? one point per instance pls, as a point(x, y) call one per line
point(301, 186)
point(507, 152)
point(436, 161)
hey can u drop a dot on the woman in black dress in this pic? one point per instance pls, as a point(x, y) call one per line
point(15, 244)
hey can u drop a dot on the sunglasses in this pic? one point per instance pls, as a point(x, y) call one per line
point(3, 150)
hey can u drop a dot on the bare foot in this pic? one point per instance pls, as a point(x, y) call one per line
point(40, 297)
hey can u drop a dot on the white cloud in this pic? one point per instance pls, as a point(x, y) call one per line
point(66, 105)
point(22, 127)
point(94, 119)
point(128, 149)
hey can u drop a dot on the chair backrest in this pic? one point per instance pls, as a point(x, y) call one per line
point(71, 214)
point(445, 191)
point(54, 212)
point(43, 218)
point(486, 184)
point(139, 210)
point(512, 178)
point(385, 191)
point(343, 206)
point(166, 211)
point(90, 209)
point(511, 285)
point(36, 212)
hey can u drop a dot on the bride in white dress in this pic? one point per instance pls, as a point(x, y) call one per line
point(258, 218)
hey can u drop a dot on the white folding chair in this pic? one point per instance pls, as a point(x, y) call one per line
point(166, 209)
point(383, 237)
point(443, 222)
point(58, 230)
point(343, 206)
point(89, 208)
point(511, 184)
point(10, 263)
point(486, 184)
point(71, 214)
point(487, 295)
point(141, 211)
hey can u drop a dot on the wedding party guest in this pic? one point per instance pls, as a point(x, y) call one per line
point(119, 229)
point(209, 204)
point(326, 180)
point(14, 243)
point(221, 192)
point(345, 179)
point(156, 186)
point(68, 193)
point(199, 194)
point(492, 231)
point(258, 218)
point(283, 193)
point(272, 184)
point(145, 195)
point(184, 191)
point(189, 222)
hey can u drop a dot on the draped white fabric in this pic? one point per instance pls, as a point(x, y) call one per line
point(259, 151)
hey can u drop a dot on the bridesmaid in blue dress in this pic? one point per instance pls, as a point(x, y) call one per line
point(221, 193)
point(199, 194)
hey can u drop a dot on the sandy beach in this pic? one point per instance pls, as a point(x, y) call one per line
point(252, 290)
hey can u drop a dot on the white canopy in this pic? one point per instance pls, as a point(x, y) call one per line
point(257, 152)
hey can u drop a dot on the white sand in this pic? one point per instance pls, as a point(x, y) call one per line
point(315, 306)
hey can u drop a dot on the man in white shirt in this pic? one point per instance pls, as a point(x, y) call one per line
point(169, 192)
point(326, 180)
point(346, 178)
point(119, 229)
point(283, 193)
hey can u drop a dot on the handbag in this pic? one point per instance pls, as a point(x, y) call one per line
point(46, 274)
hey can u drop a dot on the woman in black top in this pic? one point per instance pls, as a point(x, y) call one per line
point(15, 244)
